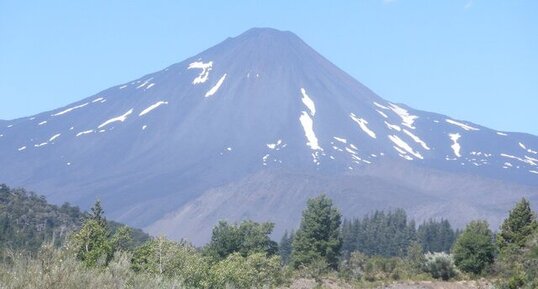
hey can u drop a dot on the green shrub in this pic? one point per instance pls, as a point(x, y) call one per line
point(254, 271)
point(440, 265)
point(172, 259)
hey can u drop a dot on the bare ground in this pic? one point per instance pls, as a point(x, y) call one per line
point(333, 284)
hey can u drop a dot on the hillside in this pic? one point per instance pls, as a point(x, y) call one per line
point(27, 220)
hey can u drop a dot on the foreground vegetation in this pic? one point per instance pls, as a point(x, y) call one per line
point(381, 248)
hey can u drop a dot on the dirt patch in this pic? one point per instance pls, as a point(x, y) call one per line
point(335, 284)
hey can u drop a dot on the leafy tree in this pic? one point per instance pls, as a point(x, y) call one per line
point(415, 256)
point(518, 227)
point(318, 236)
point(94, 243)
point(246, 238)
point(474, 249)
point(172, 259)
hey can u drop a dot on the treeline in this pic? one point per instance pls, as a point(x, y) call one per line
point(391, 234)
point(28, 220)
point(381, 247)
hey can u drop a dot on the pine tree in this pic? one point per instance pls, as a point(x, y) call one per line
point(518, 227)
point(284, 247)
point(318, 237)
point(97, 213)
point(474, 250)
point(436, 236)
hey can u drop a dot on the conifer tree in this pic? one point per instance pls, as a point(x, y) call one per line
point(518, 227)
point(284, 247)
point(318, 237)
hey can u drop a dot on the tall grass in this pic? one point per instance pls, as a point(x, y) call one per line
point(59, 269)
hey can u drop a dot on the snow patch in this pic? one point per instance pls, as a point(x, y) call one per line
point(85, 132)
point(205, 67)
point(527, 149)
point(123, 86)
point(97, 99)
point(42, 123)
point(22, 148)
point(407, 118)
point(404, 146)
point(308, 127)
point(362, 123)
point(150, 85)
point(264, 159)
point(382, 113)
point(152, 107)
point(393, 126)
point(460, 124)
point(533, 172)
point(120, 118)
point(342, 140)
point(40, 145)
point(144, 83)
point(416, 139)
point(274, 145)
point(308, 102)
point(502, 133)
point(381, 106)
point(215, 88)
point(456, 147)
point(527, 160)
point(70, 109)
point(54, 137)
point(144, 127)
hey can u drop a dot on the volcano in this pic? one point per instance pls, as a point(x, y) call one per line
point(252, 128)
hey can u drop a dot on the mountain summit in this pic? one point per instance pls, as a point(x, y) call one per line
point(251, 128)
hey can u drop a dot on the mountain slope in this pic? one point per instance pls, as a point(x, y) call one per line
point(27, 220)
point(256, 117)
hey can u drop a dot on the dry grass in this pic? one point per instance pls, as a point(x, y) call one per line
point(46, 272)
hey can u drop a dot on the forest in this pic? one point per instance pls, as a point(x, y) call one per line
point(48, 246)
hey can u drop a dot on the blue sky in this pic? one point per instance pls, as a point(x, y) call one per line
point(475, 60)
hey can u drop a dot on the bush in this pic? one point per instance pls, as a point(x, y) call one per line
point(254, 271)
point(440, 265)
point(172, 259)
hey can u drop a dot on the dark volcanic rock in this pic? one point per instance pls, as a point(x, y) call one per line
point(252, 127)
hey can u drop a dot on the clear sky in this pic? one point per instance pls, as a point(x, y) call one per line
point(475, 60)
